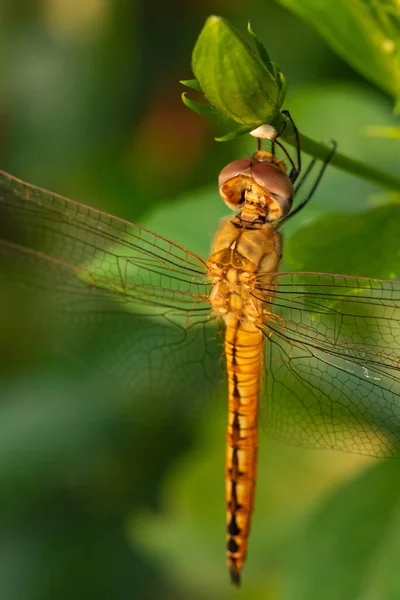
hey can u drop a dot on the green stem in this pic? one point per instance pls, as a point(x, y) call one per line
point(355, 167)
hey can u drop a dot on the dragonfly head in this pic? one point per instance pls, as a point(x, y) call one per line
point(258, 187)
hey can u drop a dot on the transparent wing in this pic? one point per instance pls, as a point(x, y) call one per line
point(112, 295)
point(128, 302)
point(332, 365)
point(105, 251)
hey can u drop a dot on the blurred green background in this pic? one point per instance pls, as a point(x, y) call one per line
point(100, 502)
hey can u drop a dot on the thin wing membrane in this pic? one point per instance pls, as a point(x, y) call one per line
point(333, 362)
point(135, 306)
point(112, 253)
point(111, 295)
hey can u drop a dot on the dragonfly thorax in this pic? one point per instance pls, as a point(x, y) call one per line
point(241, 260)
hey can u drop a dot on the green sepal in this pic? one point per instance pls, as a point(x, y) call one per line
point(262, 51)
point(205, 110)
point(283, 85)
point(193, 84)
point(270, 65)
point(233, 135)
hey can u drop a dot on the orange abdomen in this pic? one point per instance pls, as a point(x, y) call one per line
point(243, 349)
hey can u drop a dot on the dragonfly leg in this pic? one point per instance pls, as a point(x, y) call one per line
point(294, 173)
point(296, 168)
point(259, 145)
point(315, 184)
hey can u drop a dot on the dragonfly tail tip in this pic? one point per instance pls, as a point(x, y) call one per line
point(235, 576)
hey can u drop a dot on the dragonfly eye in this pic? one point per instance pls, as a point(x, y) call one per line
point(233, 180)
point(263, 178)
point(276, 184)
point(233, 169)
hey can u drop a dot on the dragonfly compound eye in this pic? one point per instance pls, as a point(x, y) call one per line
point(277, 185)
point(233, 180)
point(267, 184)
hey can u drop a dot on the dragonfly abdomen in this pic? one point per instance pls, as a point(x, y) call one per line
point(243, 349)
point(242, 267)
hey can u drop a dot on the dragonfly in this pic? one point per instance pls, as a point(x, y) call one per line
point(316, 354)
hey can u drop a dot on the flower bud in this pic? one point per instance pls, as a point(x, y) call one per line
point(240, 82)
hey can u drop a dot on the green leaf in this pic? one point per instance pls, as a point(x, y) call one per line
point(383, 132)
point(233, 77)
point(364, 33)
point(349, 548)
point(338, 243)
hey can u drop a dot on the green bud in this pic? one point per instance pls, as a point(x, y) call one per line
point(240, 82)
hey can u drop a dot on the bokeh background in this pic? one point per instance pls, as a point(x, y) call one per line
point(98, 502)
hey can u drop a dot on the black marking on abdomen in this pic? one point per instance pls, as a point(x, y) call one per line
point(234, 471)
point(234, 506)
point(232, 545)
point(234, 364)
point(235, 430)
point(233, 527)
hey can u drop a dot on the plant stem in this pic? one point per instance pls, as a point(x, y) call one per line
point(355, 167)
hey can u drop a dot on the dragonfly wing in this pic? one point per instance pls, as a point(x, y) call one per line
point(110, 252)
point(332, 363)
point(112, 296)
